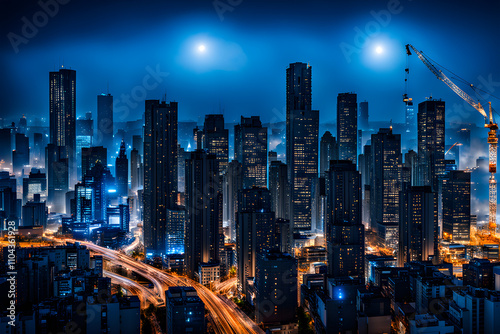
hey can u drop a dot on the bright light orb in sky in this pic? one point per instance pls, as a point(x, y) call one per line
point(379, 50)
point(201, 48)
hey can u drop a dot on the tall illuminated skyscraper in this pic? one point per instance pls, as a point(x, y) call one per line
point(327, 151)
point(302, 128)
point(121, 171)
point(385, 185)
point(456, 206)
point(216, 139)
point(250, 149)
point(62, 108)
point(160, 172)
point(344, 230)
point(347, 126)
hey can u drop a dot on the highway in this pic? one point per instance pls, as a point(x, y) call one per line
point(227, 318)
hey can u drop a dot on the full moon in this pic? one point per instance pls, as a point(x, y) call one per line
point(201, 48)
point(379, 49)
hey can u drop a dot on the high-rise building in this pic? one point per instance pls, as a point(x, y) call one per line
point(410, 119)
point(62, 105)
point(456, 206)
point(135, 162)
point(121, 171)
point(56, 165)
point(160, 172)
point(232, 184)
point(91, 156)
point(204, 236)
point(280, 189)
point(302, 126)
point(38, 156)
point(185, 311)
point(385, 185)
point(8, 199)
point(431, 140)
point(363, 116)
point(344, 229)
point(275, 287)
point(418, 224)
point(84, 136)
point(255, 231)
point(35, 183)
point(21, 155)
point(327, 151)
point(104, 126)
point(250, 149)
point(216, 139)
point(6, 149)
point(347, 126)
point(35, 213)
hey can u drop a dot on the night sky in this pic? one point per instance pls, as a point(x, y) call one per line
point(249, 44)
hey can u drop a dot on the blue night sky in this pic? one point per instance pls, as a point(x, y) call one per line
point(248, 48)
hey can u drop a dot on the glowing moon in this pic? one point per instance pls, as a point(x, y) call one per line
point(379, 49)
point(201, 48)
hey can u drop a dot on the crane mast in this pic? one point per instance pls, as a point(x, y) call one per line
point(492, 133)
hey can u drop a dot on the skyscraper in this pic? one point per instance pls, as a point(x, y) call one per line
point(121, 171)
point(418, 224)
point(344, 230)
point(84, 136)
point(56, 165)
point(92, 156)
point(431, 138)
point(204, 238)
point(347, 126)
point(280, 189)
point(160, 172)
point(6, 149)
point(385, 185)
point(104, 126)
point(135, 161)
point(255, 231)
point(62, 107)
point(216, 139)
point(21, 155)
point(250, 149)
point(302, 127)
point(363, 116)
point(456, 206)
point(327, 151)
point(232, 184)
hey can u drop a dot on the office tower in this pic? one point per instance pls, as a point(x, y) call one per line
point(121, 171)
point(216, 139)
point(327, 151)
point(344, 230)
point(8, 199)
point(365, 167)
point(276, 288)
point(204, 237)
point(410, 119)
point(250, 149)
point(181, 168)
point(56, 165)
point(280, 189)
point(385, 186)
point(6, 149)
point(63, 119)
point(175, 238)
point(35, 183)
point(135, 161)
point(138, 144)
point(104, 126)
point(23, 125)
point(35, 213)
point(232, 184)
point(84, 136)
point(92, 156)
point(21, 155)
point(431, 138)
point(363, 116)
point(99, 183)
point(119, 216)
point(411, 162)
point(272, 156)
point(418, 224)
point(185, 311)
point(160, 172)
point(318, 205)
point(456, 206)
point(37, 157)
point(347, 126)
point(255, 231)
point(302, 163)
point(302, 127)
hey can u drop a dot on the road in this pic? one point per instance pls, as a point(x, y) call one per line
point(227, 318)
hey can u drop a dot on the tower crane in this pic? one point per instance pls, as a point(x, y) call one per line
point(489, 123)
